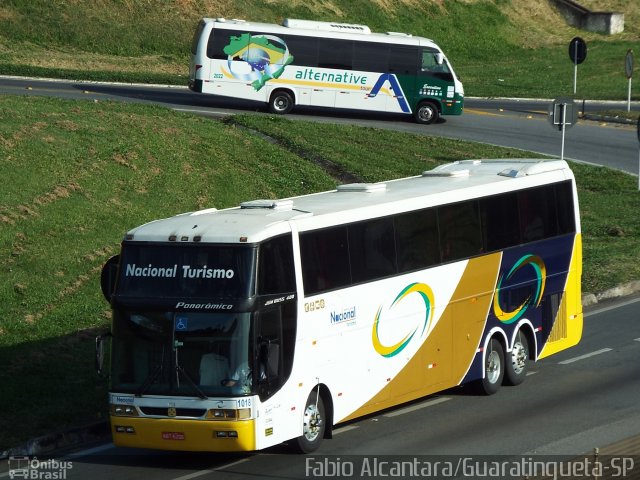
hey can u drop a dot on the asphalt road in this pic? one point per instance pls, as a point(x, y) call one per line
point(507, 122)
point(570, 403)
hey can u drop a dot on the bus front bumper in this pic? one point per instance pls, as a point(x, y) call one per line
point(184, 435)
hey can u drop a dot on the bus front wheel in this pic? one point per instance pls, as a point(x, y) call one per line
point(280, 102)
point(313, 424)
point(426, 113)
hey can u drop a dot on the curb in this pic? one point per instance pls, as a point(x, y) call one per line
point(608, 119)
point(624, 290)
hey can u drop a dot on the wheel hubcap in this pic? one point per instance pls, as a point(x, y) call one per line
point(281, 103)
point(426, 114)
point(493, 367)
point(312, 423)
point(518, 358)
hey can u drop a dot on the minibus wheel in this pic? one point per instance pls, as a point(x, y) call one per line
point(426, 113)
point(280, 102)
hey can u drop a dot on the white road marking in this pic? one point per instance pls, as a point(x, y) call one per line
point(344, 429)
point(420, 406)
point(194, 475)
point(586, 355)
point(233, 464)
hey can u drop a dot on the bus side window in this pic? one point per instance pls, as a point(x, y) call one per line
point(500, 223)
point(538, 216)
point(325, 259)
point(275, 268)
point(417, 241)
point(460, 234)
point(217, 41)
point(372, 251)
point(403, 60)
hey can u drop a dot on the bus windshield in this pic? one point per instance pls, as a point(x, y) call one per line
point(178, 353)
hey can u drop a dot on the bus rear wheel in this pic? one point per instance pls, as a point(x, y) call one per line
point(280, 102)
point(426, 113)
point(313, 424)
point(493, 369)
point(517, 362)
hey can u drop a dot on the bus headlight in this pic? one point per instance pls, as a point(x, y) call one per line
point(124, 410)
point(228, 414)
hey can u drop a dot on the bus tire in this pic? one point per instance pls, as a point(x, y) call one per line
point(426, 113)
point(313, 424)
point(517, 361)
point(493, 369)
point(281, 102)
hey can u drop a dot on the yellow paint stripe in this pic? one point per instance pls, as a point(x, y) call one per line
point(482, 112)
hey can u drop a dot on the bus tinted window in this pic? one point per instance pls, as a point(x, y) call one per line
point(417, 240)
point(217, 41)
point(303, 49)
point(370, 57)
point(275, 266)
point(500, 221)
point(564, 203)
point(403, 60)
point(538, 218)
point(336, 54)
point(460, 234)
point(325, 259)
point(196, 37)
point(372, 250)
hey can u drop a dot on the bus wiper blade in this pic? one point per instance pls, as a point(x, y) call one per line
point(150, 380)
point(201, 394)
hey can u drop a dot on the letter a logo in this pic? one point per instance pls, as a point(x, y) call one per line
point(395, 86)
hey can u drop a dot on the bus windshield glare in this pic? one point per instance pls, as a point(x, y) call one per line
point(184, 354)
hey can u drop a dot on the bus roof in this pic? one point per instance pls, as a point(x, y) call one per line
point(324, 29)
point(256, 220)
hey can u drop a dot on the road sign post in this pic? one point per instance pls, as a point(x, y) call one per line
point(628, 70)
point(577, 54)
point(563, 114)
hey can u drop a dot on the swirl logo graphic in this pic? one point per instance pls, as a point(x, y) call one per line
point(540, 271)
point(427, 297)
point(267, 55)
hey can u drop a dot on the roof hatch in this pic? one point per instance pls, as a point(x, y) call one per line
point(269, 204)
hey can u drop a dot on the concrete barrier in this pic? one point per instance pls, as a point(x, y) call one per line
point(578, 16)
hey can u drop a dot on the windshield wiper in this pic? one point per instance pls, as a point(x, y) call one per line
point(150, 380)
point(190, 381)
point(181, 370)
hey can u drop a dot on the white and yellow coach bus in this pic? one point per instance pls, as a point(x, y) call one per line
point(239, 329)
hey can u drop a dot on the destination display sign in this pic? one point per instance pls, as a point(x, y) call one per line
point(184, 272)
